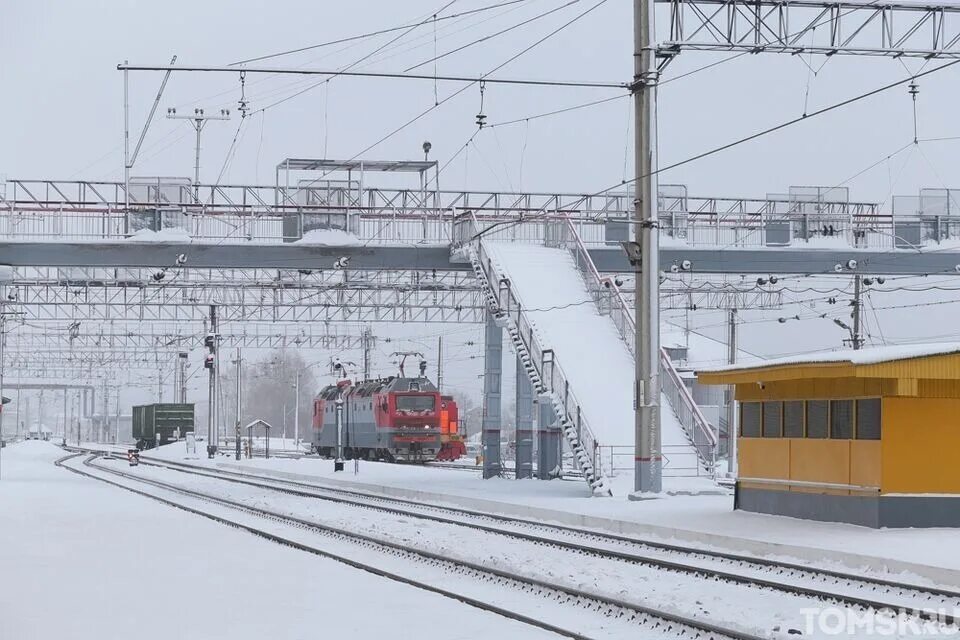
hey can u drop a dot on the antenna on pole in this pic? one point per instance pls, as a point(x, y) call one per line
point(199, 120)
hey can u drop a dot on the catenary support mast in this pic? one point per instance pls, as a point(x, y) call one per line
point(648, 463)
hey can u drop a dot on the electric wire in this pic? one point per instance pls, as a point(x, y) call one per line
point(491, 36)
point(376, 33)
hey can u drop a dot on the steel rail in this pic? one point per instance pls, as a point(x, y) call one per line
point(302, 547)
point(241, 478)
point(583, 598)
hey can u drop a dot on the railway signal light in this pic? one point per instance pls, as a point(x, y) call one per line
point(210, 342)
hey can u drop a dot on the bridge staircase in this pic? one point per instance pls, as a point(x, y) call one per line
point(540, 362)
point(501, 278)
point(698, 455)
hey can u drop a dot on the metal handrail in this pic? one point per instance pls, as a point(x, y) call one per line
point(543, 359)
point(604, 288)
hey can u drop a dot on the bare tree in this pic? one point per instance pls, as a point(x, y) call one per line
point(269, 391)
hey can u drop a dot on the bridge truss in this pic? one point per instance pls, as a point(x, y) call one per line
point(827, 27)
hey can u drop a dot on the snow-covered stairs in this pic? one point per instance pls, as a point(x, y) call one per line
point(508, 312)
point(694, 452)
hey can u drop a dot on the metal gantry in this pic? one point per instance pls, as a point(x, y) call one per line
point(186, 337)
point(242, 295)
point(891, 29)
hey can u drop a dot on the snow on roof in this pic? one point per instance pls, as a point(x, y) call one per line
point(870, 355)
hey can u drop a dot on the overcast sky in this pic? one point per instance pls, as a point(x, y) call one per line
point(62, 114)
point(61, 110)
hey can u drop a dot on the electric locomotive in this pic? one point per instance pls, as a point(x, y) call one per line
point(397, 419)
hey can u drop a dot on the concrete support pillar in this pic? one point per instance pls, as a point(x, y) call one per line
point(492, 374)
point(548, 441)
point(524, 449)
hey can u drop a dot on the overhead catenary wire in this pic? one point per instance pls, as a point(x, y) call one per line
point(491, 36)
point(458, 92)
point(346, 70)
point(379, 32)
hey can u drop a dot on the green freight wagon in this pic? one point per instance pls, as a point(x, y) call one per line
point(159, 424)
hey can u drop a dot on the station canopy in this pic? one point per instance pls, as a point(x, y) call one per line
point(936, 360)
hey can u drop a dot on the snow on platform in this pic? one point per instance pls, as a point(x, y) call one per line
point(707, 521)
point(83, 560)
point(588, 346)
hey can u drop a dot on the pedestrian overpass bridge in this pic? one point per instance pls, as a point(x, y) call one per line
point(807, 230)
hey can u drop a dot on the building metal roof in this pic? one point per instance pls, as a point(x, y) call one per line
point(886, 361)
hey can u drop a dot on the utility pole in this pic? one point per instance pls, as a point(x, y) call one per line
point(183, 377)
point(3, 342)
point(16, 432)
point(731, 404)
point(104, 428)
point(648, 462)
point(239, 402)
point(116, 427)
point(210, 363)
point(856, 339)
point(159, 385)
point(439, 362)
point(199, 120)
point(338, 462)
point(367, 345)
point(128, 160)
point(296, 413)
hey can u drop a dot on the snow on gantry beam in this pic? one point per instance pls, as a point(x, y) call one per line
point(610, 259)
point(892, 29)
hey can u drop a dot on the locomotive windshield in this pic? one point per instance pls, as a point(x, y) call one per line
point(425, 402)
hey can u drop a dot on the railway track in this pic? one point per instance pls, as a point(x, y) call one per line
point(836, 587)
point(586, 615)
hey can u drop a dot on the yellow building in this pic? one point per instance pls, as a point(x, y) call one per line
point(870, 437)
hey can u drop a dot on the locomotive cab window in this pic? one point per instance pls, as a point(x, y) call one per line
point(416, 403)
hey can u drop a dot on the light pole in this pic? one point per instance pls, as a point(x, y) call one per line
point(296, 410)
point(296, 413)
point(199, 120)
point(239, 401)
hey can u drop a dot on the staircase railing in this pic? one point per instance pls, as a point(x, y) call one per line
point(545, 371)
point(610, 301)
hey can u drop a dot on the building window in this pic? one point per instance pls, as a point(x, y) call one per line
point(793, 419)
point(750, 419)
point(817, 412)
point(772, 419)
point(841, 419)
point(868, 419)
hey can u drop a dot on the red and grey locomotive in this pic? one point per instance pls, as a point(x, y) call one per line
point(397, 419)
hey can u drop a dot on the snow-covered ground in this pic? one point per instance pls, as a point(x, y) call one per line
point(87, 561)
point(698, 520)
point(758, 610)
